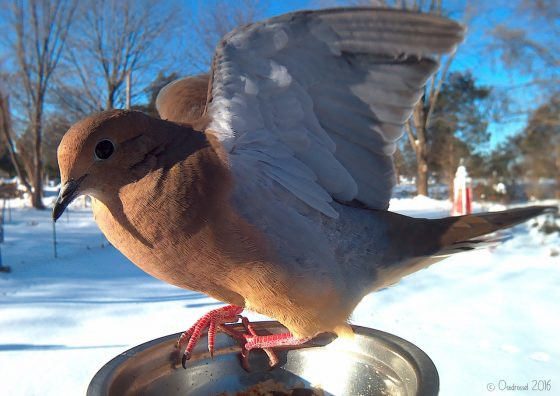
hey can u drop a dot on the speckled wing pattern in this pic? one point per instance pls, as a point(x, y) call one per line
point(316, 100)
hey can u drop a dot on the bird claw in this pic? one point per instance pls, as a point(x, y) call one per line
point(213, 319)
point(249, 340)
point(216, 320)
point(272, 358)
point(186, 356)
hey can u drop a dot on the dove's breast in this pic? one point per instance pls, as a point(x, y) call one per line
point(176, 225)
point(187, 262)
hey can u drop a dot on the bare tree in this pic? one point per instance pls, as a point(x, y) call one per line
point(212, 21)
point(56, 125)
point(526, 43)
point(113, 39)
point(529, 40)
point(6, 128)
point(416, 127)
point(41, 29)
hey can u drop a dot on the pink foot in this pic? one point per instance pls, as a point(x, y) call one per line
point(212, 319)
point(216, 319)
point(267, 342)
point(273, 359)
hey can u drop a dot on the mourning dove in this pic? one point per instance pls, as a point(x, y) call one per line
point(266, 183)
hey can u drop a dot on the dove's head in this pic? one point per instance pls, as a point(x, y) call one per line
point(98, 155)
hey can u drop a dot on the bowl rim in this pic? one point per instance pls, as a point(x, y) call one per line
point(426, 372)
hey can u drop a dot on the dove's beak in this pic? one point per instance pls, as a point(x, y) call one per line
point(68, 193)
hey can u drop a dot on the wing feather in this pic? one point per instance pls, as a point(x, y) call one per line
point(316, 100)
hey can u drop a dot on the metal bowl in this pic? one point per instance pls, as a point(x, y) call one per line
point(373, 363)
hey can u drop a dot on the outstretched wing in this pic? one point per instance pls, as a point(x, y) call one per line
point(316, 100)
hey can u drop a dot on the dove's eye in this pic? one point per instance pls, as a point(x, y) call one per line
point(104, 149)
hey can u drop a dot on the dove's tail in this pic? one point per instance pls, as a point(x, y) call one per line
point(423, 242)
point(473, 231)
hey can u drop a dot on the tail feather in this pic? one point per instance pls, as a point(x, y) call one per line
point(428, 241)
point(481, 242)
point(511, 217)
point(472, 231)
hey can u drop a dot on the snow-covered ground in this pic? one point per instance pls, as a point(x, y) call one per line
point(483, 317)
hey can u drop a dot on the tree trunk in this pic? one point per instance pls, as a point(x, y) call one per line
point(450, 168)
point(558, 171)
point(128, 89)
point(7, 131)
point(110, 104)
point(37, 177)
point(419, 118)
point(422, 172)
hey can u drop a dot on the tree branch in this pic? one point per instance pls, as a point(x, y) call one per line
point(410, 134)
point(434, 95)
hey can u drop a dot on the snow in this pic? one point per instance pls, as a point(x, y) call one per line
point(483, 317)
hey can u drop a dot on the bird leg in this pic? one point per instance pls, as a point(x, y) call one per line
point(212, 319)
point(255, 341)
point(216, 319)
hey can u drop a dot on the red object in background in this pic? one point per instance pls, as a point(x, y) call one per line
point(462, 192)
point(469, 197)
